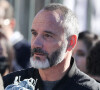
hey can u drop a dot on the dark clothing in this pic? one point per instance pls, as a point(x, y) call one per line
point(22, 52)
point(73, 80)
point(48, 85)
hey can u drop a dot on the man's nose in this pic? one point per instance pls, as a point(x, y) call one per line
point(37, 42)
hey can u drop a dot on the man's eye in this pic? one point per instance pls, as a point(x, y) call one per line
point(47, 35)
point(34, 33)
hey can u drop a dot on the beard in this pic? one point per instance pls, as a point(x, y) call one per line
point(39, 64)
point(55, 58)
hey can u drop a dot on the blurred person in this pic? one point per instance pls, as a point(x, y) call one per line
point(54, 36)
point(85, 42)
point(93, 62)
point(21, 46)
point(6, 55)
point(1, 83)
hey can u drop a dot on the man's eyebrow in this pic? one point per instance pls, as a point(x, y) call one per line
point(49, 32)
point(44, 31)
point(33, 30)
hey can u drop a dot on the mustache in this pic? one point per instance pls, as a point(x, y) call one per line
point(38, 50)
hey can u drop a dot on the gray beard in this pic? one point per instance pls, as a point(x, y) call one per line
point(55, 58)
point(39, 64)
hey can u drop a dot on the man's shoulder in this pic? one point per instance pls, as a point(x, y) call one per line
point(79, 80)
point(20, 72)
point(84, 82)
point(24, 74)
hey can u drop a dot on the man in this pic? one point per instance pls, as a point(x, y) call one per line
point(21, 46)
point(54, 35)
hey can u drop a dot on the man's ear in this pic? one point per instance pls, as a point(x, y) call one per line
point(72, 42)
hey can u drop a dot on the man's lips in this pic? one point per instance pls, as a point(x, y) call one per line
point(39, 54)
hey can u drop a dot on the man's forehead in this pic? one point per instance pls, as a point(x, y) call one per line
point(49, 16)
point(47, 20)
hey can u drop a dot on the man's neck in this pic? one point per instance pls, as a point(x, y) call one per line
point(56, 72)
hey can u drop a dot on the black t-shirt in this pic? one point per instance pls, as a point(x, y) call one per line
point(48, 85)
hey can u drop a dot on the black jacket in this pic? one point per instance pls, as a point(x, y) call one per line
point(73, 80)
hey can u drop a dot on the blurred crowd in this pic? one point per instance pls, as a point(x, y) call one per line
point(87, 54)
point(15, 50)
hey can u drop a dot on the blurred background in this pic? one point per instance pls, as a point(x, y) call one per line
point(87, 11)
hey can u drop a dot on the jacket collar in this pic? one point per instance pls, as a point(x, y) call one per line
point(66, 79)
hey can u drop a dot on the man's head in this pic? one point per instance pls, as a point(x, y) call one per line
point(54, 34)
point(7, 22)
